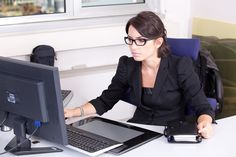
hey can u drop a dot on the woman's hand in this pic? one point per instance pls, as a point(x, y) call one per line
point(205, 129)
point(68, 113)
point(205, 126)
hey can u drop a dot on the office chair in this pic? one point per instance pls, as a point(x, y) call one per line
point(191, 47)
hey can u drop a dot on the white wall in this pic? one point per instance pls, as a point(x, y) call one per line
point(215, 10)
point(178, 15)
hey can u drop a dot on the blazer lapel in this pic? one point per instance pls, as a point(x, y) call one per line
point(136, 82)
point(161, 76)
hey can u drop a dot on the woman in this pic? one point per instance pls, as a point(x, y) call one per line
point(159, 83)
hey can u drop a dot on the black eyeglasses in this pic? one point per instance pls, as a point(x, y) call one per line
point(138, 42)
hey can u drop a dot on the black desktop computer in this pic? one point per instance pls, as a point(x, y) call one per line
point(31, 103)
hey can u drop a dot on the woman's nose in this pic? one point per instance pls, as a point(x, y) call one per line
point(133, 46)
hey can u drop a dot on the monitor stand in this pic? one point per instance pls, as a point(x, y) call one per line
point(20, 145)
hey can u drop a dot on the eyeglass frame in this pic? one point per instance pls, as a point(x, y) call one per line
point(134, 41)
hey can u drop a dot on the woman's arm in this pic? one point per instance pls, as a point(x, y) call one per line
point(194, 94)
point(108, 98)
point(83, 110)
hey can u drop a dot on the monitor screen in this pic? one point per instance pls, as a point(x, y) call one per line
point(30, 99)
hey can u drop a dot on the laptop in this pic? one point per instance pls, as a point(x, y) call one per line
point(125, 136)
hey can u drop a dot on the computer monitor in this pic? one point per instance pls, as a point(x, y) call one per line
point(30, 101)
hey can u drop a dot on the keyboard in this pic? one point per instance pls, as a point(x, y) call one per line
point(89, 143)
point(66, 96)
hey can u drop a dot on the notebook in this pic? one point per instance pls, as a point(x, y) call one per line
point(182, 132)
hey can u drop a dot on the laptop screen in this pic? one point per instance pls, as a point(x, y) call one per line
point(111, 131)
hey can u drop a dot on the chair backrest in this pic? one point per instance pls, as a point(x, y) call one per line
point(188, 47)
point(184, 47)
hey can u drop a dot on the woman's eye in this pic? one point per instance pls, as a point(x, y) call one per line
point(141, 40)
point(130, 40)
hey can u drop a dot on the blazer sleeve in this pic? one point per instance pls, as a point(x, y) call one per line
point(192, 88)
point(115, 90)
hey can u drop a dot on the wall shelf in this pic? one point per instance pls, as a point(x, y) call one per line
point(84, 70)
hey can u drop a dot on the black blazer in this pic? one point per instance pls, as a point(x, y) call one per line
point(176, 85)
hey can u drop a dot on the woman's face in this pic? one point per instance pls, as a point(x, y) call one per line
point(148, 51)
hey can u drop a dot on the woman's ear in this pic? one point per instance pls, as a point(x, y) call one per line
point(159, 41)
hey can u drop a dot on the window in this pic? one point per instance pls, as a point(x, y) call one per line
point(13, 8)
point(31, 11)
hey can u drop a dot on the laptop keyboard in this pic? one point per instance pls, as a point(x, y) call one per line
point(66, 96)
point(88, 142)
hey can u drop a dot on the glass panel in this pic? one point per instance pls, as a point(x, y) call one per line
point(11, 8)
point(94, 3)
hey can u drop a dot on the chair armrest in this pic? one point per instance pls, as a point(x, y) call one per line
point(219, 90)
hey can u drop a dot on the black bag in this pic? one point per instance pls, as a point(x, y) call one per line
point(210, 78)
point(43, 54)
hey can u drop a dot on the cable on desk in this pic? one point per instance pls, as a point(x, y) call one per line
point(4, 119)
point(37, 126)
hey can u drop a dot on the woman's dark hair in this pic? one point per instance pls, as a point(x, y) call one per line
point(149, 25)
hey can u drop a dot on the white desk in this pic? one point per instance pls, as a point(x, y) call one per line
point(222, 144)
